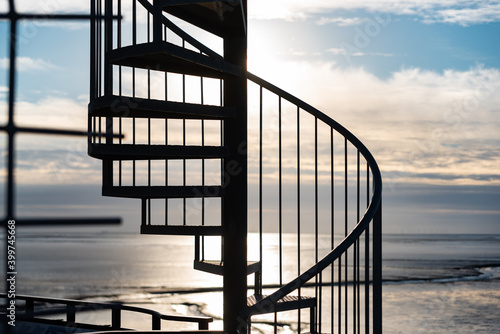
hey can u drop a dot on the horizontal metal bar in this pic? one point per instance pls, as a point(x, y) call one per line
point(58, 221)
point(152, 152)
point(164, 332)
point(196, 230)
point(34, 16)
point(163, 191)
point(56, 131)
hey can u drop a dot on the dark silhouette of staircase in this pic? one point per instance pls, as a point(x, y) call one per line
point(167, 134)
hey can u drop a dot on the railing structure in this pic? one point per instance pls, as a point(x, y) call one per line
point(314, 190)
point(42, 310)
point(316, 184)
point(12, 130)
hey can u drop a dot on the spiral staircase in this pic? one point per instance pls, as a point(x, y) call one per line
point(198, 152)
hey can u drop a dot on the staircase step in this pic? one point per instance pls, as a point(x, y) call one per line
point(217, 267)
point(152, 152)
point(168, 57)
point(182, 230)
point(163, 191)
point(218, 17)
point(287, 303)
point(124, 106)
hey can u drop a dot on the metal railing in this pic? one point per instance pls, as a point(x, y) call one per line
point(128, 86)
point(310, 180)
point(36, 309)
point(316, 160)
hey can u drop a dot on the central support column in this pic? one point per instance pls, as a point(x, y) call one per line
point(235, 182)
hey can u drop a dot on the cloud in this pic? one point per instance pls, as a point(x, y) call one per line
point(341, 21)
point(463, 12)
point(26, 64)
point(483, 13)
point(422, 126)
point(345, 52)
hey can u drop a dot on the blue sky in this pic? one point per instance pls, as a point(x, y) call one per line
point(417, 81)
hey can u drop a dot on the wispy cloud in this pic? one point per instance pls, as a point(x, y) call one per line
point(463, 12)
point(345, 52)
point(480, 13)
point(341, 21)
point(26, 64)
point(423, 126)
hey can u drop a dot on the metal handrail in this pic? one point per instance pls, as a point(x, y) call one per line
point(362, 224)
point(163, 332)
point(72, 306)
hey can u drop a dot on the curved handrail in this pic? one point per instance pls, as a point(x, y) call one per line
point(360, 227)
point(86, 305)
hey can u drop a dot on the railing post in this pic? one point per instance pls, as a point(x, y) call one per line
point(30, 308)
point(116, 318)
point(377, 271)
point(258, 283)
point(156, 324)
point(235, 200)
point(157, 17)
point(107, 165)
point(203, 325)
point(70, 313)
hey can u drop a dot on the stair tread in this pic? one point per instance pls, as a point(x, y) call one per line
point(221, 263)
point(165, 56)
point(217, 17)
point(213, 230)
point(124, 106)
point(286, 303)
point(217, 266)
point(163, 191)
point(151, 152)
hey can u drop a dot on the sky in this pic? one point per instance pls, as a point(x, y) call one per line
point(417, 81)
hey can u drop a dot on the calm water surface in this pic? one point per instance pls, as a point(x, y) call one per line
point(433, 283)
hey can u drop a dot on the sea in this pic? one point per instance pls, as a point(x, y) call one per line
point(433, 283)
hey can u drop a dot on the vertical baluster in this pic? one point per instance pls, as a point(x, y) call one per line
point(156, 323)
point(134, 42)
point(280, 209)
point(149, 119)
point(280, 219)
point(332, 241)
point(120, 123)
point(222, 143)
point(93, 69)
point(133, 142)
point(30, 308)
point(71, 313)
point(202, 167)
point(99, 49)
point(134, 22)
point(316, 218)
point(202, 160)
point(166, 143)
point(260, 172)
point(184, 217)
point(367, 257)
point(116, 318)
point(358, 205)
point(377, 271)
point(298, 209)
point(339, 294)
point(346, 207)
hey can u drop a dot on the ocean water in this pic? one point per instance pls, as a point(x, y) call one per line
point(432, 283)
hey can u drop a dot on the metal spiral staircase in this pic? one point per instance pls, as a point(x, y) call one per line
point(196, 153)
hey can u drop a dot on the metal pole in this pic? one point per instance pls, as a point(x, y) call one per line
point(235, 179)
point(377, 271)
